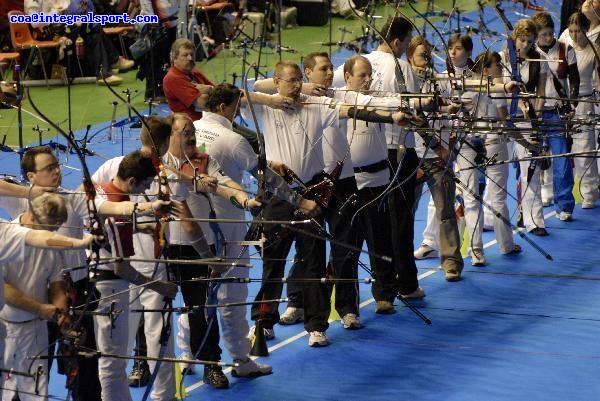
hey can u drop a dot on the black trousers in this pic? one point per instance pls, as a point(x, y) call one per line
point(154, 65)
point(99, 51)
point(195, 294)
point(376, 227)
point(402, 200)
point(344, 261)
point(309, 262)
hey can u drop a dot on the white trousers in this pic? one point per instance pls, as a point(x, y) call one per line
point(233, 322)
point(24, 340)
point(495, 197)
point(531, 192)
point(163, 388)
point(469, 177)
point(111, 337)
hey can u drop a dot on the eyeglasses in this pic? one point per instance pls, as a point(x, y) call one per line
point(292, 80)
point(49, 168)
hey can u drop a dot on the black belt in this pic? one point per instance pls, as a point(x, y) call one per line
point(101, 275)
point(372, 168)
point(168, 19)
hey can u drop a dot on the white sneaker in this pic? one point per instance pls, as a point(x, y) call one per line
point(588, 204)
point(123, 64)
point(477, 257)
point(317, 339)
point(546, 202)
point(248, 368)
point(426, 252)
point(350, 321)
point(292, 315)
point(565, 216)
point(269, 333)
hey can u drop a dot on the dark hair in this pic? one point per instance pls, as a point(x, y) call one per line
point(136, 165)
point(466, 42)
point(566, 10)
point(222, 93)
point(28, 160)
point(310, 60)
point(396, 28)
point(485, 60)
point(160, 130)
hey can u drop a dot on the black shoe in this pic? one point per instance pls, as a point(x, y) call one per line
point(516, 250)
point(539, 231)
point(140, 374)
point(520, 222)
point(214, 376)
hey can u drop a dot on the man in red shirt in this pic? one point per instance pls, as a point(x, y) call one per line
point(185, 87)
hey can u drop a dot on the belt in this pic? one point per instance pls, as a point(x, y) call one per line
point(101, 275)
point(168, 19)
point(372, 168)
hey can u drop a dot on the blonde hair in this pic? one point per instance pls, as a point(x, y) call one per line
point(50, 210)
point(524, 27)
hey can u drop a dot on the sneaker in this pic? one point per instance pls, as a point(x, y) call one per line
point(248, 368)
point(350, 321)
point(187, 368)
point(384, 308)
point(546, 202)
point(140, 374)
point(213, 375)
point(317, 339)
point(123, 64)
point(565, 216)
point(539, 231)
point(269, 333)
point(516, 250)
point(113, 80)
point(292, 315)
point(588, 204)
point(426, 252)
point(477, 257)
point(452, 274)
point(416, 294)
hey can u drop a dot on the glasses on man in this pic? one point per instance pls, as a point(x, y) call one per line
point(49, 168)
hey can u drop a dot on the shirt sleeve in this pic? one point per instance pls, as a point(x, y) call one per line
point(12, 242)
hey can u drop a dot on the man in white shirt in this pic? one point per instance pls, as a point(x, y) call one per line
point(31, 299)
point(16, 241)
point(294, 137)
point(234, 154)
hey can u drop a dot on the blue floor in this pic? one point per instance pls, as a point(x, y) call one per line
point(521, 328)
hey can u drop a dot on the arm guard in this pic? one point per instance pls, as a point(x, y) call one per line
point(369, 116)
